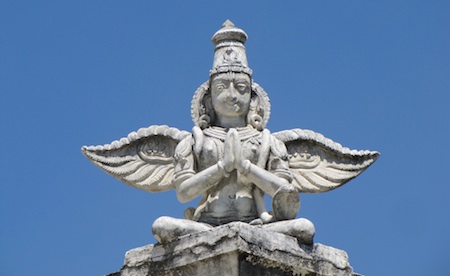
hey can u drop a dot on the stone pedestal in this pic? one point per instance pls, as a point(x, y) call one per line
point(235, 249)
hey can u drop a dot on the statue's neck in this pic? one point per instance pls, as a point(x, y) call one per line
point(231, 122)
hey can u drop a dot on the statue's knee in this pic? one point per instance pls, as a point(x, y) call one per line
point(160, 227)
point(285, 203)
point(161, 222)
point(166, 229)
point(306, 225)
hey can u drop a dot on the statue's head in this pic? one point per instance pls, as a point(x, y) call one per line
point(230, 90)
point(230, 94)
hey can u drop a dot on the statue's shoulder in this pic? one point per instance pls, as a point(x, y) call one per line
point(277, 146)
point(184, 147)
point(191, 143)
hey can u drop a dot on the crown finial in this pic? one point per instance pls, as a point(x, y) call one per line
point(227, 24)
point(229, 32)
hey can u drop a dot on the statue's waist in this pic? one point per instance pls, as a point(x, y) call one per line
point(220, 212)
point(209, 218)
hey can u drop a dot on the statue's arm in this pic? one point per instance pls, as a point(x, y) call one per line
point(268, 181)
point(188, 186)
point(263, 179)
point(274, 179)
point(187, 182)
point(263, 214)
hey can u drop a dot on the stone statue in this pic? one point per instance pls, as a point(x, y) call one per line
point(230, 159)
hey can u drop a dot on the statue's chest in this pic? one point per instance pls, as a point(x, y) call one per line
point(213, 150)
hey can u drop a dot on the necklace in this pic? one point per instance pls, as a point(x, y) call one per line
point(220, 133)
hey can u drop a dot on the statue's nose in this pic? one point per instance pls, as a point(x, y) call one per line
point(231, 95)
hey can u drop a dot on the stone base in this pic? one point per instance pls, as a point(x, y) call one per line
point(235, 249)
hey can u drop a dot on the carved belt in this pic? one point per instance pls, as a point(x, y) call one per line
point(216, 221)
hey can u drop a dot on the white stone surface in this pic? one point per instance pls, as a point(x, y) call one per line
point(230, 159)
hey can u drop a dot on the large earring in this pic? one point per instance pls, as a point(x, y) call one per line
point(203, 121)
point(256, 121)
point(253, 118)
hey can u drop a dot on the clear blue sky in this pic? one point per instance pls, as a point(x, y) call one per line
point(367, 74)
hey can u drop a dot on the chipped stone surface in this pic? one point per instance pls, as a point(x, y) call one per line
point(235, 249)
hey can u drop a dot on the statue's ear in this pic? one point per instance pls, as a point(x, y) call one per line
point(208, 108)
point(261, 103)
point(254, 102)
point(207, 103)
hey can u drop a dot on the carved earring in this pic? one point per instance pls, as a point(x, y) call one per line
point(253, 117)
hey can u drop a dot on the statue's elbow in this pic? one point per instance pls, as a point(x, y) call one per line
point(183, 194)
point(182, 186)
point(183, 198)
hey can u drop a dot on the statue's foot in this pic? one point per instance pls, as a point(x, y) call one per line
point(257, 221)
point(302, 229)
point(167, 229)
point(285, 203)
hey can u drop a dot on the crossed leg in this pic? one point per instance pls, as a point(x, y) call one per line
point(167, 229)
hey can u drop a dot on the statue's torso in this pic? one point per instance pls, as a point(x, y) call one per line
point(232, 199)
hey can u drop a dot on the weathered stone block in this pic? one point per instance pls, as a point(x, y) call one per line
point(235, 249)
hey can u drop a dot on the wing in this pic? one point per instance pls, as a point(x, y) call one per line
point(144, 159)
point(318, 164)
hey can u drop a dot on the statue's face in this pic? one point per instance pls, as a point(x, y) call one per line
point(230, 94)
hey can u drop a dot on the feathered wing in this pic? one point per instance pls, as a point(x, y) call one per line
point(318, 164)
point(144, 159)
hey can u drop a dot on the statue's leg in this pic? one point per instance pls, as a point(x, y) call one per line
point(167, 229)
point(301, 228)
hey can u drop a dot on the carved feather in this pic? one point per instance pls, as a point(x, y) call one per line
point(319, 164)
point(144, 159)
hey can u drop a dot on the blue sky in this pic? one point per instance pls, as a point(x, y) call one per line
point(367, 74)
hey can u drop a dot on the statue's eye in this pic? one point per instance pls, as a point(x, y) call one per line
point(242, 87)
point(220, 86)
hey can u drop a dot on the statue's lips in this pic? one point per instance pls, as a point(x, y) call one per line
point(234, 105)
point(230, 104)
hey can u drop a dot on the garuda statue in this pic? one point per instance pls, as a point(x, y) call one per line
point(230, 159)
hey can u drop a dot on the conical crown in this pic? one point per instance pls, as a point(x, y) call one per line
point(229, 52)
